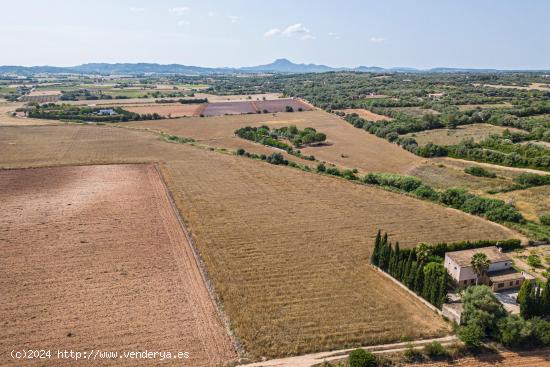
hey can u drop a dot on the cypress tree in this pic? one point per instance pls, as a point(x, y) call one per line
point(376, 251)
point(418, 281)
point(407, 269)
point(526, 299)
point(396, 261)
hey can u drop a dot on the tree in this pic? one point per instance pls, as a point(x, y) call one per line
point(423, 252)
point(362, 358)
point(480, 264)
point(481, 307)
point(376, 250)
point(545, 298)
point(471, 335)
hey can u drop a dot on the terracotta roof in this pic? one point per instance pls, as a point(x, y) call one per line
point(464, 257)
point(505, 275)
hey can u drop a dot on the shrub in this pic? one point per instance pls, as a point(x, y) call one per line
point(321, 167)
point(240, 151)
point(534, 261)
point(545, 219)
point(362, 358)
point(479, 171)
point(435, 350)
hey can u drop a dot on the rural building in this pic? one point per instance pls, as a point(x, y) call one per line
point(500, 275)
point(108, 112)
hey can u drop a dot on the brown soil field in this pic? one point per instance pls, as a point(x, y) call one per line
point(534, 358)
point(94, 258)
point(453, 136)
point(346, 146)
point(366, 114)
point(286, 250)
point(247, 107)
point(168, 109)
point(238, 97)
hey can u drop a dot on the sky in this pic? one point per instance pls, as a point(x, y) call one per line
point(504, 34)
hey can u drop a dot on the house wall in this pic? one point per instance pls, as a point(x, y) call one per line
point(508, 284)
point(464, 276)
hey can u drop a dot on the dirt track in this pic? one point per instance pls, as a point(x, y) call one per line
point(94, 257)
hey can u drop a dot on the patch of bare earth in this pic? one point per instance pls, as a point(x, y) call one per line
point(94, 258)
point(533, 358)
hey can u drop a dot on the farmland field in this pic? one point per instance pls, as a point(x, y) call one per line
point(477, 132)
point(346, 146)
point(415, 111)
point(366, 114)
point(533, 358)
point(244, 107)
point(168, 109)
point(286, 250)
point(103, 264)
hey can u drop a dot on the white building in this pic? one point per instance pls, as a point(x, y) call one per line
point(501, 274)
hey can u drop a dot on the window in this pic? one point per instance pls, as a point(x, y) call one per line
point(511, 283)
point(500, 285)
point(517, 282)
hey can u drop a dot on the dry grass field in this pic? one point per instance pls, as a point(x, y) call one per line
point(366, 114)
point(238, 97)
point(286, 250)
point(415, 111)
point(166, 110)
point(94, 258)
point(533, 358)
point(469, 107)
point(532, 202)
point(532, 86)
point(346, 146)
point(453, 136)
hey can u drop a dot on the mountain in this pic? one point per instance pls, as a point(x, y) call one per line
point(278, 66)
point(286, 66)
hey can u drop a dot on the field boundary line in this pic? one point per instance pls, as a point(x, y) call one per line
point(426, 303)
point(218, 306)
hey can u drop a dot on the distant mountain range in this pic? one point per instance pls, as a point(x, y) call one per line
point(278, 66)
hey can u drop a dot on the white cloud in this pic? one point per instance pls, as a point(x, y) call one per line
point(137, 10)
point(180, 10)
point(211, 14)
point(377, 39)
point(292, 30)
point(233, 18)
point(272, 32)
point(336, 36)
point(182, 23)
point(297, 28)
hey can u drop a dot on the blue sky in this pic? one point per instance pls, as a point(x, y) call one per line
point(424, 33)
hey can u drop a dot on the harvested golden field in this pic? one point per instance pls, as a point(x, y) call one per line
point(532, 86)
point(533, 358)
point(477, 132)
point(94, 258)
point(167, 109)
point(286, 250)
point(366, 114)
point(346, 146)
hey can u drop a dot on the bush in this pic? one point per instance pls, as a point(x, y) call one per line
point(321, 167)
point(435, 350)
point(240, 151)
point(480, 172)
point(362, 358)
point(545, 219)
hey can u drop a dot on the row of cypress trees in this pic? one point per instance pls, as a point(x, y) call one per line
point(534, 300)
point(412, 268)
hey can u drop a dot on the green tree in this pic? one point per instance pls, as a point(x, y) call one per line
point(480, 264)
point(376, 251)
point(481, 307)
point(471, 335)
